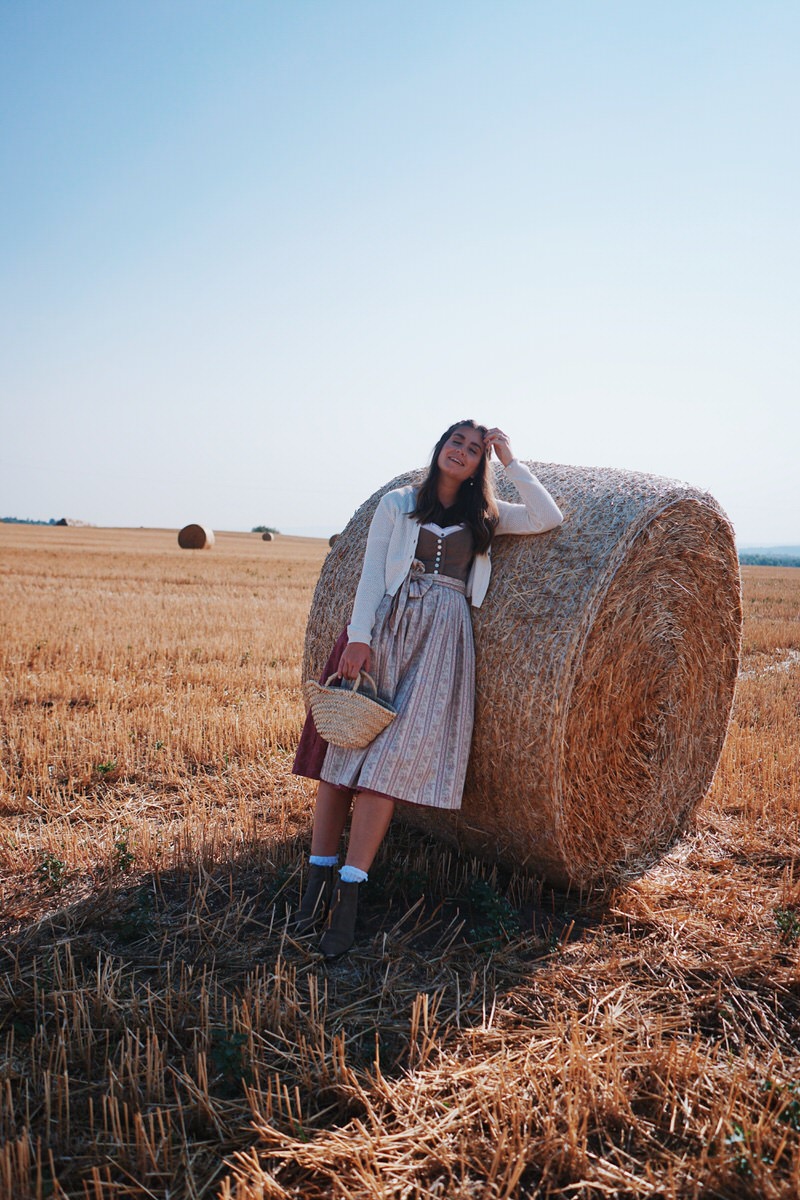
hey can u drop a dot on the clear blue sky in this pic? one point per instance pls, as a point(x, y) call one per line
point(255, 256)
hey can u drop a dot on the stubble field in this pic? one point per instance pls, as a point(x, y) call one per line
point(163, 1036)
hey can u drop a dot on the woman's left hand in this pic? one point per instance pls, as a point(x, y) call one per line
point(356, 658)
point(495, 439)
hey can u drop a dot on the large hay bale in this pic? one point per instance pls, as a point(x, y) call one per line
point(196, 537)
point(267, 536)
point(607, 654)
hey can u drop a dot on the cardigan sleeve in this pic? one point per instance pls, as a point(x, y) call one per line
point(538, 511)
point(372, 584)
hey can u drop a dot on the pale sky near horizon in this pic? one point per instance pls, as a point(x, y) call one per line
point(254, 257)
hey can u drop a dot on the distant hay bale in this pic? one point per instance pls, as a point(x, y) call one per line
point(196, 537)
point(333, 539)
point(267, 536)
point(607, 653)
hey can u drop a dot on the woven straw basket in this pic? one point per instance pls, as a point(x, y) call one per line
point(346, 717)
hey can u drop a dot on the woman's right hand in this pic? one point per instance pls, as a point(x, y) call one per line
point(356, 657)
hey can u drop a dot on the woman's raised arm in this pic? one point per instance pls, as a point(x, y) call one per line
point(538, 511)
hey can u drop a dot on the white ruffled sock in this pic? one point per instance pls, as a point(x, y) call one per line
point(350, 874)
point(323, 860)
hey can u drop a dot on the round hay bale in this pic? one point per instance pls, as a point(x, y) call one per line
point(333, 539)
point(607, 653)
point(267, 536)
point(196, 537)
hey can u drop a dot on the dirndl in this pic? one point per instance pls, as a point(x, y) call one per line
point(423, 663)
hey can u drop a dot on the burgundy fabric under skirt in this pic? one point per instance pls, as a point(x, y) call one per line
point(311, 748)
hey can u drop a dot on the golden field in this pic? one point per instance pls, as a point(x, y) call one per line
point(487, 1038)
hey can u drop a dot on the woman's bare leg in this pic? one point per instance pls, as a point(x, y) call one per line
point(371, 817)
point(330, 816)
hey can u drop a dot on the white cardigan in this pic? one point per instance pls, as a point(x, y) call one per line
point(392, 544)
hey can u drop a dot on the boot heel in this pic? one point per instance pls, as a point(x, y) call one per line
point(340, 932)
point(316, 901)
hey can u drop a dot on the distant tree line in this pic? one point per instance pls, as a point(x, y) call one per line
point(264, 529)
point(767, 560)
point(27, 521)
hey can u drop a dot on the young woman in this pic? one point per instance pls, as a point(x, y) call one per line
point(427, 555)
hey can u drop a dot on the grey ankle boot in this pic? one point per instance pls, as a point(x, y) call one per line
point(340, 930)
point(316, 900)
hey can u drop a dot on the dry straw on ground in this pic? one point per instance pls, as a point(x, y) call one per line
point(607, 653)
point(196, 537)
point(162, 1035)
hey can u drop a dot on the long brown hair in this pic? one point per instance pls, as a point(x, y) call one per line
point(475, 503)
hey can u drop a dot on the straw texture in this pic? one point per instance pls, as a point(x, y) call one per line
point(344, 716)
point(607, 654)
point(195, 537)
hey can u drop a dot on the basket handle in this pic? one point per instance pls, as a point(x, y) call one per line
point(362, 675)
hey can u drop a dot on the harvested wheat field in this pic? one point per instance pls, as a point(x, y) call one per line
point(489, 1037)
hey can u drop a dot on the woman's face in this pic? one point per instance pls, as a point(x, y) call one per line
point(461, 455)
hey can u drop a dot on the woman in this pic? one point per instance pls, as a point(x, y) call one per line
point(428, 552)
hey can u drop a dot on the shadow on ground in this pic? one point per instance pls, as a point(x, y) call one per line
point(162, 1012)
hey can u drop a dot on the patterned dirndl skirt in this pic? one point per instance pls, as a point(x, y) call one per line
point(423, 662)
